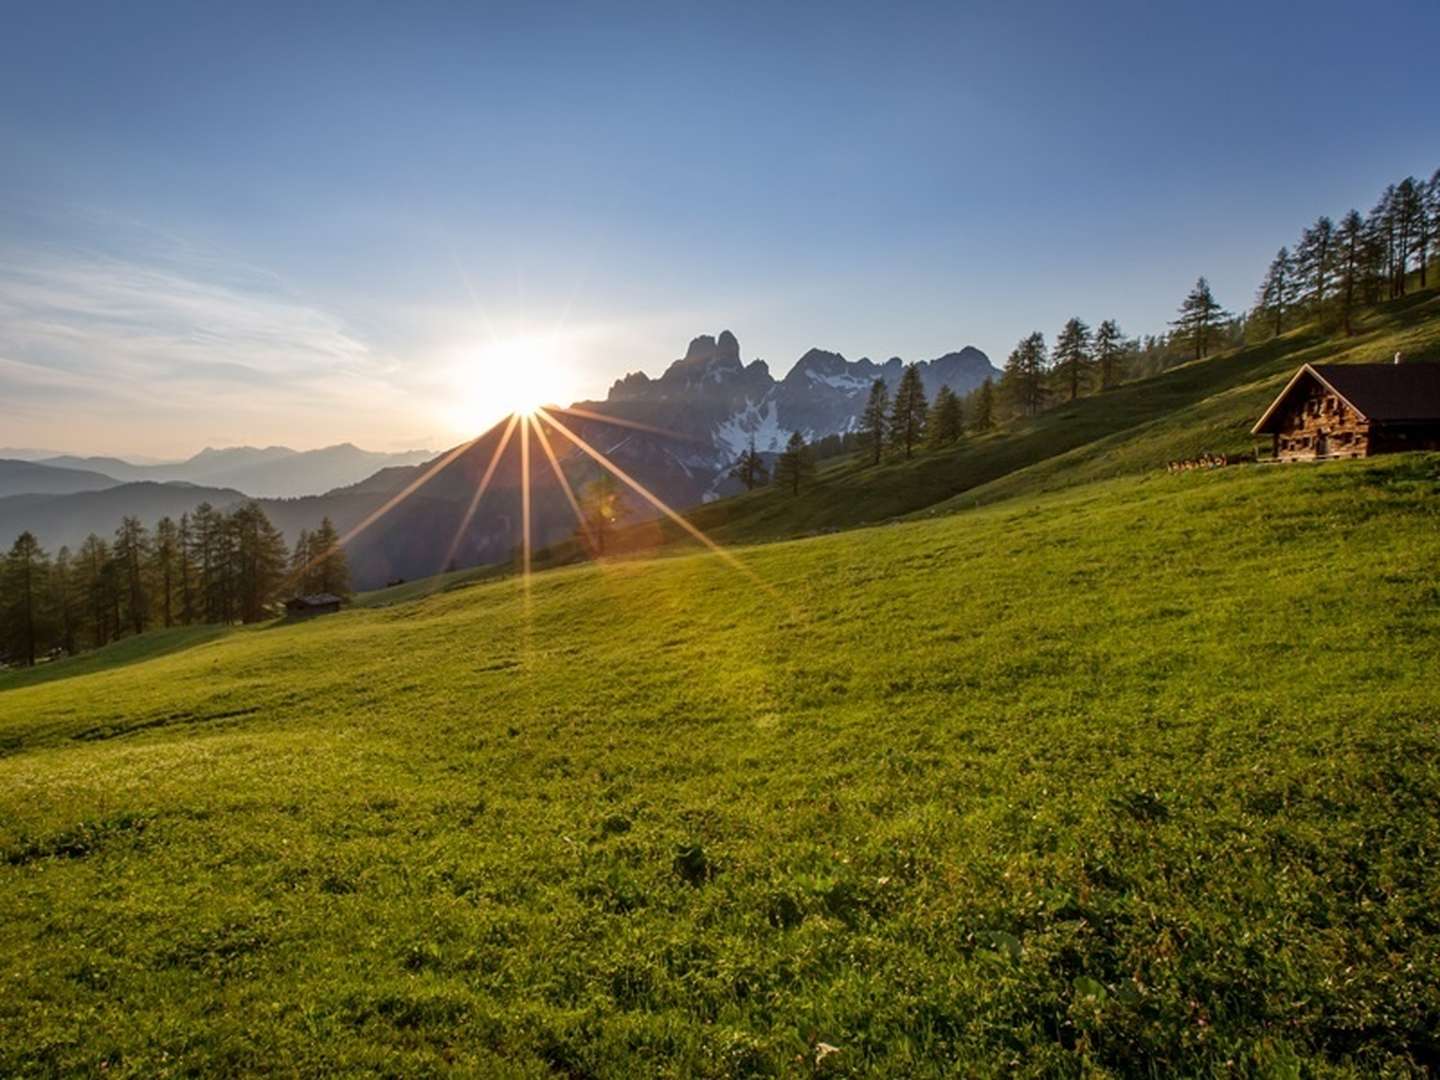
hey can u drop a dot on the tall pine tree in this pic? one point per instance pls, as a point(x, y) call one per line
point(1350, 252)
point(1315, 263)
point(796, 465)
point(907, 417)
point(132, 556)
point(25, 577)
point(1071, 356)
point(1024, 377)
point(1109, 353)
point(982, 416)
point(875, 421)
point(1277, 292)
point(750, 468)
point(1199, 316)
point(946, 422)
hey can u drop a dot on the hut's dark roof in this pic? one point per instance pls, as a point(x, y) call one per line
point(1404, 393)
point(323, 599)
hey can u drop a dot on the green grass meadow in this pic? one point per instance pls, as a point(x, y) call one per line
point(1135, 778)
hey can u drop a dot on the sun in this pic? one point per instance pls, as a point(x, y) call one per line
point(516, 375)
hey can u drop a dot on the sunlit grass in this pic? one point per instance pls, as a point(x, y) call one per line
point(1136, 777)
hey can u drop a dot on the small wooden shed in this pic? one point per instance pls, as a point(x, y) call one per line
point(304, 607)
point(1354, 410)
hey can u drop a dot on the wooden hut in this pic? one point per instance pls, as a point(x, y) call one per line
point(305, 607)
point(1354, 410)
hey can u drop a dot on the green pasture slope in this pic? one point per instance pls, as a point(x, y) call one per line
point(1205, 406)
point(1136, 778)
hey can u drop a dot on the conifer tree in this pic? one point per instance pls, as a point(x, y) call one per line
point(183, 548)
point(26, 571)
point(1278, 291)
point(795, 467)
point(260, 562)
point(1024, 377)
point(132, 554)
point(1071, 356)
point(907, 417)
point(1381, 227)
point(92, 570)
point(332, 569)
point(65, 601)
point(750, 468)
point(1199, 315)
point(1109, 352)
point(1350, 248)
point(302, 572)
point(1314, 262)
point(982, 417)
point(875, 421)
point(1408, 210)
point(165, 567)
point(946, 421)
point(1427, 223)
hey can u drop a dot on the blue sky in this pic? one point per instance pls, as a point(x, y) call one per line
point(306, 223)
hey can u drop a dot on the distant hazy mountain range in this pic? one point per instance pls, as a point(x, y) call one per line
point(269, 472)
point(696, 417)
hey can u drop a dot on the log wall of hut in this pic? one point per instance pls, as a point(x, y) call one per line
point(1318, 424)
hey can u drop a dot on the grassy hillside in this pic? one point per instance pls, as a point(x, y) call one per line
point(1136, 428)
point(1139, 777)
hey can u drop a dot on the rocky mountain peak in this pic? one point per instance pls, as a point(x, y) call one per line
point(707, 351)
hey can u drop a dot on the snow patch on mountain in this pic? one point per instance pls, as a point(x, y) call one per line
point(851, 384)
point(758, 421)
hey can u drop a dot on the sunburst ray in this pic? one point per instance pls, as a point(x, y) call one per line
point(480, 489)
point(653, 499)
point(565, 484)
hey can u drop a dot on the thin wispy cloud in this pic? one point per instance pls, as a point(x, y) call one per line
point(188, 336)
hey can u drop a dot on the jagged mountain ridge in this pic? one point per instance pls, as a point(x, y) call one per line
point(715, 399)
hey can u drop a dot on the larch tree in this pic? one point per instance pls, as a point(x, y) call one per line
point(1350, 261)
point(795, 467)
point(1071, 356)
point(1408, 208)
point(982, 416)
point(750, 468)
point(907, 415)
point(1382, 226)
point(302, 572)
point(875, 421)
point(26, 571)
point(165, 567)
point(1110, 352)
point(92, 569)
point(260, 562)
point(1315, 263)
point(1199, 315)
point(65, 601)
point(132, 556)
point(183, 548)
point(1277, 292)
point(332, 569)
point(1024, 377)
point(1427, 225)
point(946, 423)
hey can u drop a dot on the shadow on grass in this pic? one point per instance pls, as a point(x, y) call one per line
point(131, 650)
